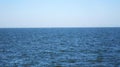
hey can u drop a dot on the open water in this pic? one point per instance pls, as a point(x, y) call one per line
point(60, 47)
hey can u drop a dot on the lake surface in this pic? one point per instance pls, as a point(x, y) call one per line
point(60, 47)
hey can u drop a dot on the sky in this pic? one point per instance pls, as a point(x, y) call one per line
point(59, 13)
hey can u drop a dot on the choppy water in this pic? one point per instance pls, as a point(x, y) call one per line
point(60, 47)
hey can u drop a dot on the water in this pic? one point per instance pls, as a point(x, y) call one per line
point(60, 47)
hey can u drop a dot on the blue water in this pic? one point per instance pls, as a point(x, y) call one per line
point(60, 47)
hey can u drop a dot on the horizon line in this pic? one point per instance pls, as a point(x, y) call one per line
point(62, 27)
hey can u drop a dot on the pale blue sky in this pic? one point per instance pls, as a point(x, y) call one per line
point(59, 13)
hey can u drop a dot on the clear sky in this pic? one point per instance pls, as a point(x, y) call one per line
point(59, 13)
